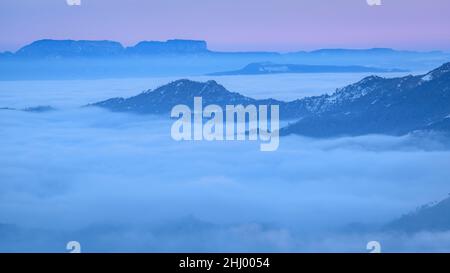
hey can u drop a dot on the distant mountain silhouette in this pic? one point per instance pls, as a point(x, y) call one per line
point(331, 51)
point(70, 48)
point(35, 109)
point(39, 109)
point(101, 49)
point(272, 68)
point(48, 48)
point(169, 47)
point(71, 59)
point(374, 105)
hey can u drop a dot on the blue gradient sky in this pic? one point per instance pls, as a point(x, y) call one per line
point(231, 25)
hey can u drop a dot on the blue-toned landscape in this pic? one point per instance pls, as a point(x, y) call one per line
point(87, 155)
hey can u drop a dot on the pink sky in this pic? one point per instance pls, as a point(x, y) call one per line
point(233, 25)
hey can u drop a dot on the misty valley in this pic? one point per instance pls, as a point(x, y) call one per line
point(128, 186)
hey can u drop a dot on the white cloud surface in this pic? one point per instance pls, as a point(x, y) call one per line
point(118, 182)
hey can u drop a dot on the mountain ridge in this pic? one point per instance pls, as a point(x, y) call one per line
point(374, 105)
point(378, 105)
point(40, 48)
point(49, 59)
point(431, 217)
point(162, 99)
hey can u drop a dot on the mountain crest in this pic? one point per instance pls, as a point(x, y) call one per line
point(162, 99)
point(374, 105)
point(193, 88)
point(441, 71)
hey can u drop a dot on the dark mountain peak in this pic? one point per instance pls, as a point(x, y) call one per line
point(193, 88)
point(187, 82)
point(442, 71)
point(370, 79)
point(162, 99)
point(212, 82)
point(430, 217)
point(376, 105)
point(359, 89)
point(378, 86)
point(444, 68)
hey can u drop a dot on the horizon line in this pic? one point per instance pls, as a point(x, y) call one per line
point(233, 51)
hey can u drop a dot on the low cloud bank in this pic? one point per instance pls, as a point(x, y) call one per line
point(118, 182)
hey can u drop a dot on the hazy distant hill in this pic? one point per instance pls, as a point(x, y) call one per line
point(102, 49)
point(433, 217)
point(49, 48)
point(168, 47)
point(272, 68)
point(70, 59)
point(35, 109)
point(70, 49)
point(374, 105)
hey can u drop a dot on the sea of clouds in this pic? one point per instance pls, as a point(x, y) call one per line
point(118, 182)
